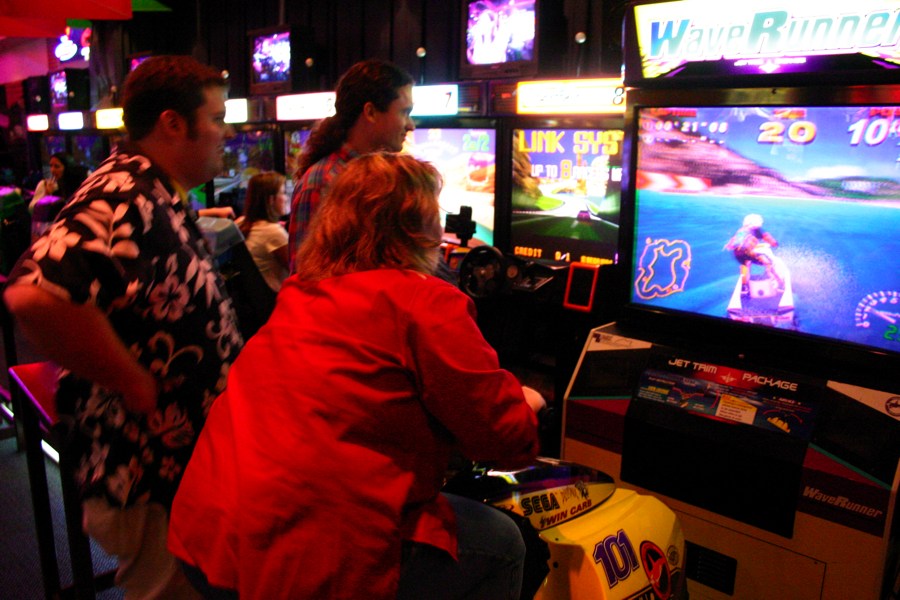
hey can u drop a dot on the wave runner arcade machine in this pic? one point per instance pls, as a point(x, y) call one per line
point(753, 379)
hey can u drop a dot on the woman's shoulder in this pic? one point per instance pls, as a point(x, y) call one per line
point(264, 225)
point(268, 229)
point(406, 284)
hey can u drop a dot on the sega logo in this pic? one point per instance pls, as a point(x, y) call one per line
point(539, 504)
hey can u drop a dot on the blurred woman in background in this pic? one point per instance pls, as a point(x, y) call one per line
point(52, 193)
point(65, 177)
point(267, 239)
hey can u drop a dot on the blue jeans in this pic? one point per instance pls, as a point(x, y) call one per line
point(491, 558)
point(200, 583)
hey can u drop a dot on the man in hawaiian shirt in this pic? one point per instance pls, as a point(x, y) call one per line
point(122, 294)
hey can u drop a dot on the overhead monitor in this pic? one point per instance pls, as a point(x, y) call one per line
point(59, 90)
point(500, 39)
point(280, 58)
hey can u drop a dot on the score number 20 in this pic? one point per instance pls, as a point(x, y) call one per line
point(870, 131)
point(798, 132)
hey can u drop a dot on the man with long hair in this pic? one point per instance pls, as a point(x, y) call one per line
point(372, 107)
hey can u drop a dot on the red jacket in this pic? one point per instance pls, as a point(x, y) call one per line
point(330, 443)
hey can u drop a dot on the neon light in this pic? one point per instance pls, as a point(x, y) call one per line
point(73, 43)
point(109, 118)
point(66, 49)
point(304, 107)
point(37, 122)
point(433, 100)
point(575, 96)
point(70, 121)
point(236, 110)
point(672, 34)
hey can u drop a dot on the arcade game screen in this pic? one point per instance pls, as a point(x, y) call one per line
point(565, 194)
point(783, 217)
point(51, 144)
point(466, 159)
point(294, 141)
point(89, 150)
point(248, 153)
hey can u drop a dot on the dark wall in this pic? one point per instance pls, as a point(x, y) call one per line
point(345, 31)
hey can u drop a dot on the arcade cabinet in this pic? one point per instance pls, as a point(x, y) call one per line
point(750, 381)
point(559, 157)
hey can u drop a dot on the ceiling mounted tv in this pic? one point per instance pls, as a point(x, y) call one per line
point(59, 90)
point(500, 39)
point(280, 58)
point(69, 89)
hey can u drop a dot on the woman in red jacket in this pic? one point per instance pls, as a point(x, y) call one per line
point(319, 469)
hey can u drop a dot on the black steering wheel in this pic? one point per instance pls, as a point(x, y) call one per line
point(482, 272)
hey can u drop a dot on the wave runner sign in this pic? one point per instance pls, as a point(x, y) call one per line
point(688, 37)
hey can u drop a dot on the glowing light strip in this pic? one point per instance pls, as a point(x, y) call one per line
point(434, 100)
point(236, 110)
point(570, 96)
point(50, 451)
point(37, 122)
point(109, 118)
point(304, 107)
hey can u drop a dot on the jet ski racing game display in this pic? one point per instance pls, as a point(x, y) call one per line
point(782, 216)
point(750, 380)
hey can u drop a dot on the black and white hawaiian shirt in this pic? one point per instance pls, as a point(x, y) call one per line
point(126, 243)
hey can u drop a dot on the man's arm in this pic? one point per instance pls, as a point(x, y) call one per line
point(217, 212)
point(80, 338)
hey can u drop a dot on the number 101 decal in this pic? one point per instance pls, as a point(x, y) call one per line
point(616, 554)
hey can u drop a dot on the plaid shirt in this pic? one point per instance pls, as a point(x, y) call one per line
point(309, 191)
